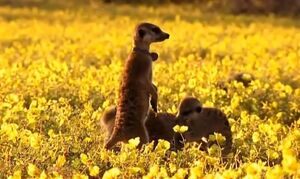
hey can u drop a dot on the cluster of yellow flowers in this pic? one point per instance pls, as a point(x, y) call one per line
point(60, 68)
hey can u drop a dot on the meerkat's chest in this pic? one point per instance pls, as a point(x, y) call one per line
point(139, 66)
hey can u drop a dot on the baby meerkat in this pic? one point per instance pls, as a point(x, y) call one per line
point(136, 88)
point(244, 78)
point(158, 125)
point(202, 122)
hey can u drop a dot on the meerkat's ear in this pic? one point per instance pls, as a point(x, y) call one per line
point(141, 33)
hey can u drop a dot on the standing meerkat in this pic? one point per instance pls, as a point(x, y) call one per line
point(202, 122)
point(136, 88)
point(158, 125)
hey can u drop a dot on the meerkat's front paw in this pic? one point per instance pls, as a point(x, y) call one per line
point(154, 105)
point(154, 56)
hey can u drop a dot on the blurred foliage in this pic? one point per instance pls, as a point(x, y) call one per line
point(60, 68)
point(232, 6)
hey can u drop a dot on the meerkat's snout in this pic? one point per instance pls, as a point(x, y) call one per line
point(160, 35)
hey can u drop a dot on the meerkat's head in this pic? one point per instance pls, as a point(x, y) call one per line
point(147, 33)
point(189, 109)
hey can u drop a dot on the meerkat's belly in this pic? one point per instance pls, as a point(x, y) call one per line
point(134, 105)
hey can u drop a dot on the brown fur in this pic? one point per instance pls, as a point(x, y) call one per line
point(158, 125)
point(202, 123)
point(136, 88)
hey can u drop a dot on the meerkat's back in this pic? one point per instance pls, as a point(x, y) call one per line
point(213, 120)
point(160, 126)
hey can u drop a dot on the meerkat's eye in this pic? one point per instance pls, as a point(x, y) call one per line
point(198, 109)
point(141, 33)
point(156, 30)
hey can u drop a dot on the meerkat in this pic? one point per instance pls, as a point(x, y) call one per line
point(158, 125)
point(201, 122)
point(244, 78)
point(136, 88)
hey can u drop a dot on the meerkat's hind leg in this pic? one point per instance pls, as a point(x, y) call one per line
point(112, 141)
point(178, 141)
point(144, 138)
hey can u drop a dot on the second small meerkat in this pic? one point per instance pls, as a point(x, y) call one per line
point(158, 125)
point(202, 122)
point(244, 78)
point(136, 88)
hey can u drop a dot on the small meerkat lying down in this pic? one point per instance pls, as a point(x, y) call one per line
point(158, 125)
point(201, 122)
point(244, 78)
point(136, 88)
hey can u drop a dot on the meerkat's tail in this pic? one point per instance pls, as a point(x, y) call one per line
point(109, 115)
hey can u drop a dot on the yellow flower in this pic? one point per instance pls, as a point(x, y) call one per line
point(253, 169)
point(211, 138)
point(181, 173)
point(35, 140)
point(152, 172)
point(79, 176)
point(163, 144)
point(230, 174)
point(51, 133)
point(13, 98)
point(43, 175)
point(87, 140)
point(135, 170)
point(290, 164)
point(84, 158)
point(214, 150)
point(17, 175)
point(220, 138)
point(192, 83)
point(56, 175)
point(104, 155)
point(10, 130)
point(112, 173)
point(272, 154)
point(255, 137)
point(275, 172)
point(94, 171)
point(235, 101)
point(180, 129)
point(196, 172)
point(163, 173)
point(32, 170)
point(105, 104)
point(133, 143)
point(172, 167)
point(61, 160)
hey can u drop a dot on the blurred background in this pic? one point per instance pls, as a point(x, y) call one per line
point(290, 7)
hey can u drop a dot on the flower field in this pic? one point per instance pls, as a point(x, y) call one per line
point(60, 68)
